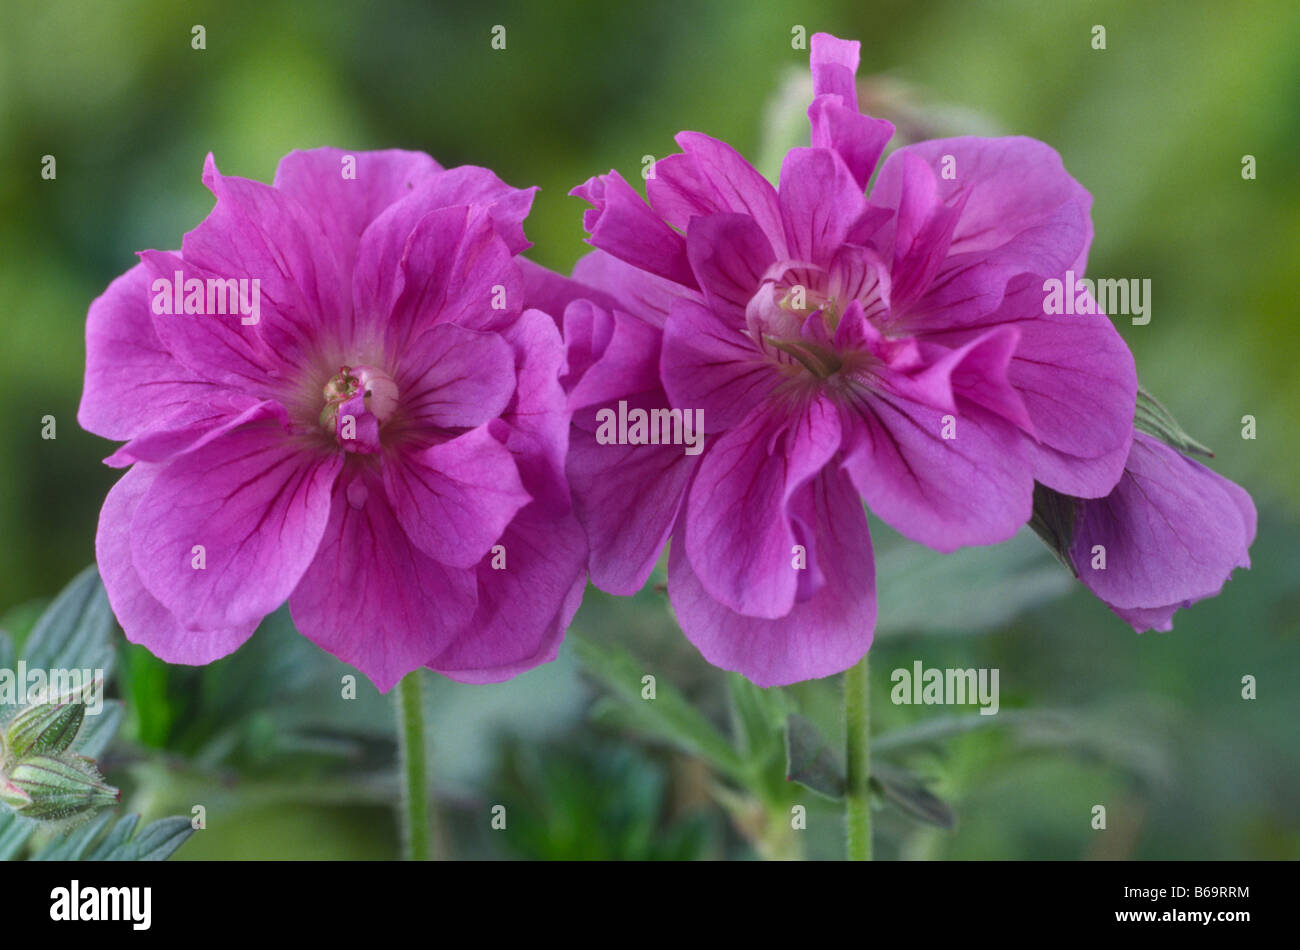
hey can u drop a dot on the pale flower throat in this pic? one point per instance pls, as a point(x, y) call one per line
point(379, 388)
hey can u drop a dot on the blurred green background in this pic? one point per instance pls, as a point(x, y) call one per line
point(1155, 126)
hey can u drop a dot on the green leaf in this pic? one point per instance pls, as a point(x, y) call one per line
point(758, 716)
point(669, 716)
point(99, 730)
point(814, 764)
point(156, 842)
point(910, 793)
point(1155, 420)
point(14, 832)
point(967, 591)
point(1053, 521)
point(810, 760)
point(74, 632)
point(935, 730)
point(144, 684)
point(1107, 735)
point(120, 834)
point(74, 845)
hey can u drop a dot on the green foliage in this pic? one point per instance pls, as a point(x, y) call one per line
point(74, 632)
point(604, 802)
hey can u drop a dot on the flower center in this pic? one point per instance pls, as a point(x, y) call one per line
point(822, 361)
point(380, 394)
point(803, 301)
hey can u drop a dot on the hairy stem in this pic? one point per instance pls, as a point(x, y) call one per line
point(857, 748)
point(417, 824)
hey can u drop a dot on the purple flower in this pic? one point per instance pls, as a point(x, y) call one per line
point(333, 394)
point(1169, 534)
point(892, 350)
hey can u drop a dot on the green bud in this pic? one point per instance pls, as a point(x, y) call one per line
point(48, 728)
point(51, 789)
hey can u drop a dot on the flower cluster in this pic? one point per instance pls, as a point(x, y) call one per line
point(400, 442)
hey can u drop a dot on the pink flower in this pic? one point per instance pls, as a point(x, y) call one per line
point(375, 433)
point(1169, 534)
point(891, 349)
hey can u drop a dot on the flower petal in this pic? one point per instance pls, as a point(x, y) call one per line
point(820, 203)
point(820, 635)
point(256, 502)
point(461, 379)
point(371, 597)
point(345, 191)
point(730, 256)
point(623, 225)
point(626, 497)
point(536, 422)
point(729, 184)
point(449, 266)
point(196, 428)
point(551, 293)
point(219, 348)
point(1172, 530)
point(608, 354)
point(945, 493)
point(710, 364)
point(133, 384)
point(454, 499)
point(258, 232)
point(628, 288)
point(858, 139)
point(739, 535)
point(1022, 213)
point(524, 607)
point(143, 618)
point(1079, 385)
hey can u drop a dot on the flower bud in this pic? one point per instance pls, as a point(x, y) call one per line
point(51, 789)
point(48, 728)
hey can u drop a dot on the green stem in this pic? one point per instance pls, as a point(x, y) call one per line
point(416, 821)
point(857, 748)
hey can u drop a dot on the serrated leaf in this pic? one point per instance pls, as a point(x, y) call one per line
point(1155, 420)
point(73, 846)
point(668, 716)
point(75, 631)
point(157, 842)
point(810, 760)
point(120, 834)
